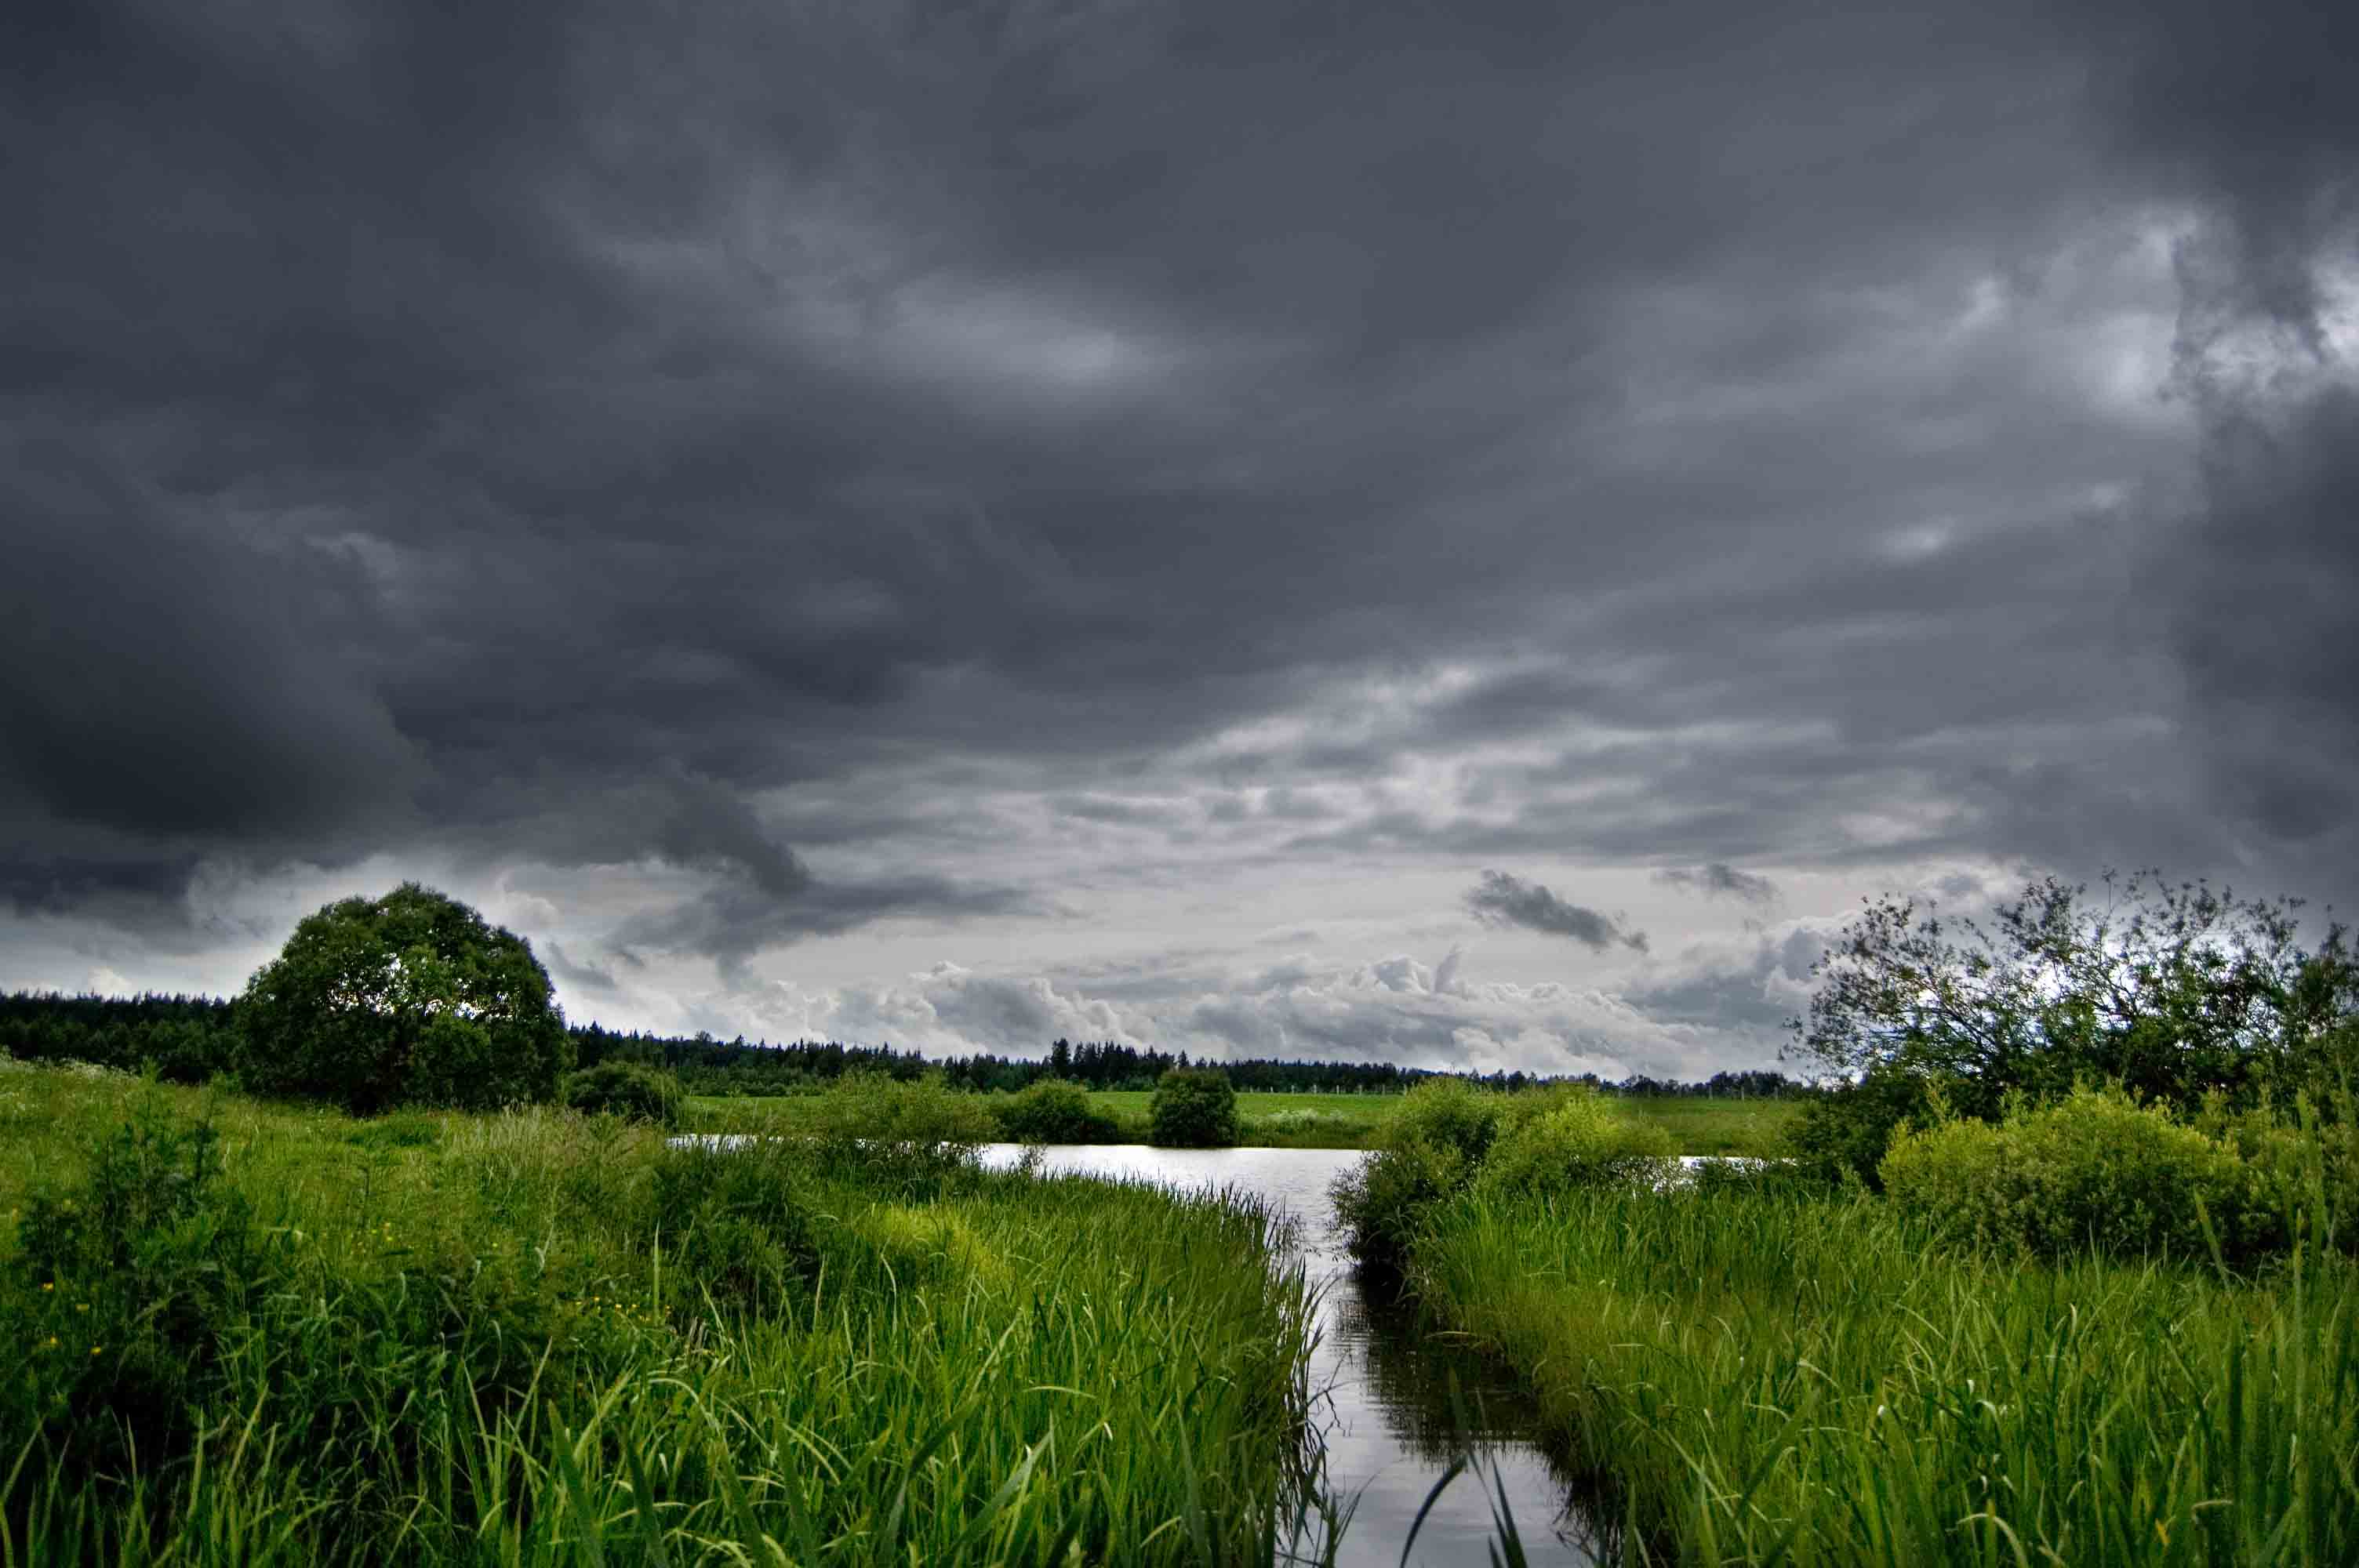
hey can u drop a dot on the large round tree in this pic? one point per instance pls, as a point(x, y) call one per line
point(408, 999)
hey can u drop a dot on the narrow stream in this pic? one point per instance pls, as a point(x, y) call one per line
point(1389, 1416)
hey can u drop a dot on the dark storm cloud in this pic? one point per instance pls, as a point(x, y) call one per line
point(580, 433)
point(1504, 898)
point(1719, 878)
point(170, 686)
point(2254, 586)
point(148, 893)
point(737, 919)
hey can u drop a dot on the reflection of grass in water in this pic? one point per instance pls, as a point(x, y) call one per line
point(1455, 1405)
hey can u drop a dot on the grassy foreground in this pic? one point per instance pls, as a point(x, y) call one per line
point(1764, 1378)
point(532, 1338)
point(1697, 1124)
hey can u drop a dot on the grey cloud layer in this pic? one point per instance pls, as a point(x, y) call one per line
point(804, 453)
point(1504, 898)
point(1396, 1009)
point(1719, 878)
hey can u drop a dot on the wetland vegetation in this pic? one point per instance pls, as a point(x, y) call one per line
point(2066, 1276)
point(247, 1332)
point(2062, 1272)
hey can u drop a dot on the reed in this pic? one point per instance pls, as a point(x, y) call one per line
point(537, 1338)
point(1760, 1376)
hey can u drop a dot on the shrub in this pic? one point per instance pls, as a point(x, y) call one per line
point(2095, 1170)
point(1194, 1108)
point(1381, 1202)
point(627, 1089)
point(1842, 1135)
point(1446, 1113)
point(2302, 1166)
point(1430, 1150)
point(409, 998)
point(1568, 1139)
point(1054, 1111)
point(915, 1133)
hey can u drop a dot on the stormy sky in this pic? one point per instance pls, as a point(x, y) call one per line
point(1454, 533)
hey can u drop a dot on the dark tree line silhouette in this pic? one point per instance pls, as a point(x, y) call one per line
point(190, 1039)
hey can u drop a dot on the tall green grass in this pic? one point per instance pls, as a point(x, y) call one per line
point(535, 1338)
point(1761, 1378)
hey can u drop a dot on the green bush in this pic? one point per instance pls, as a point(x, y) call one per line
point(1194, 1108)
point(1561, 1139)
point(1842, 1135)
point(2093, 1172)
point(1055, 1111)
point(1430, 1150)
point(2300, 1167)
point(1381, 1202)
point(1446, 1113)
point(628, 1089)
point(409, 998)
point(1448, 1137)
point(915, 1133)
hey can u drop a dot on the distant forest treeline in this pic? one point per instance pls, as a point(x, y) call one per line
point(192, 1038)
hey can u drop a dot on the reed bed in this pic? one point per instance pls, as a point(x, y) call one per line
point(1766, 1377)
point(533, 1339)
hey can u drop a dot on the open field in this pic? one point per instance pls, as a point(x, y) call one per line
point(1274, 1120)
point(532, 1338)
point(1699, 1125)
point(1709, 1125)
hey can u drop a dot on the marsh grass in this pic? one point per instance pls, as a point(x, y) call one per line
point(1761, 1377)
point(1695, 1124)
point(541, 1338)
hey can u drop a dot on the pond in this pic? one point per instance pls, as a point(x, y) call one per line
point(1397, 1403)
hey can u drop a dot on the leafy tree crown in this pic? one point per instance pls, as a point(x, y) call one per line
point(411, 998)
point(2174, 991)
point(1194, 1108)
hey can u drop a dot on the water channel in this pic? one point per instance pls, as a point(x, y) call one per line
point(1394, 1402)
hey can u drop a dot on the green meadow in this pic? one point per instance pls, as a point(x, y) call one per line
point(240, 1333)
point(1698, 1124)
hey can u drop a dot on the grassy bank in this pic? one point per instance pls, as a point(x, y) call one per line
point(1697, 1124)
point(532, 1338)
point(1764, 1379)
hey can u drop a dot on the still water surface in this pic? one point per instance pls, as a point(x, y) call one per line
point(1389, 1420)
